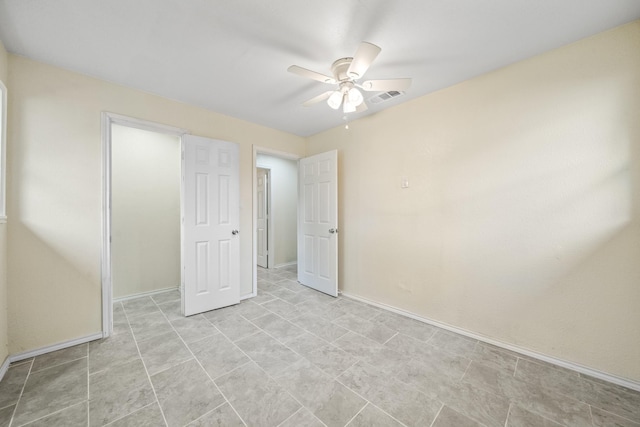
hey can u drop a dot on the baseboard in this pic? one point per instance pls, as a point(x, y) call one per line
point(54, 347)
point(4, 367)
point(146, 294)
point(285, 264)
point(535, 355)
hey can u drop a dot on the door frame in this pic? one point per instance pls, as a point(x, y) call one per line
point(254, 197)
point(108, 119)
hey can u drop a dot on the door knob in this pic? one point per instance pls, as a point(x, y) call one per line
point(333, 230)
point(234, 232)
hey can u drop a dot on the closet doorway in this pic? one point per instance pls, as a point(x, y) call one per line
point(145, 212)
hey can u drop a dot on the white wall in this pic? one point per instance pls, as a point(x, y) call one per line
point(145, 222)
point(55, 200)
point(522, 219)
point(284, 206)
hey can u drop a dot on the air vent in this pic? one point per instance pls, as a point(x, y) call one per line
point(385, 96)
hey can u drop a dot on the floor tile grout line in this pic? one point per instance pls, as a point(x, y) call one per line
point(271, 336)
point(53, 413)
point(145, 366)
point(556, 391)
point(21, 362)
point(506, 421)
point(289, 417)
point(409, 385)
point(242, 338)
point(126, 415)
point(357, 413)
point(274, 379)
point(370, 403)
point(437, 415)
point(466, 370)
point(209, 412)
point(201, 367)
point(384, 343)
point(487, 390)
point(302, 408)
point(234, 369)
point(61, 363)
point(435, 347)
point(609, 412)
point(350, 366)
point(545, 417)
point(13, 416)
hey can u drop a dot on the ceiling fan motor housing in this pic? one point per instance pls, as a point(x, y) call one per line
point(339, 69)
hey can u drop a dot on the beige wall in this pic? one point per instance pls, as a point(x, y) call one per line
point(145, 214)
point(284, 206)
point(4, 334)
point(55, 192)
point(4, 328)
point(522, 219)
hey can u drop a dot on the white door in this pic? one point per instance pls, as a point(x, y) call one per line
point(211, 216)
point(318, 222)
point(262, 231)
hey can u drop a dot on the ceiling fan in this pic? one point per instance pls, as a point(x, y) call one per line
point(346, 73)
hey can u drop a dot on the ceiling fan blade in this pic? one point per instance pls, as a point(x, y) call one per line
point(362, 107)
point(363, 58)
point(318, 98)
point(386, 85)
point(311, 74)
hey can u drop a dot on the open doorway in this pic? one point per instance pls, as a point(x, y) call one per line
point(275, 214)
point(315, 187)
point(141, 185)
point(145, 212)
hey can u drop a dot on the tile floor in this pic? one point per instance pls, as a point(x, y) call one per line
point(294, 357)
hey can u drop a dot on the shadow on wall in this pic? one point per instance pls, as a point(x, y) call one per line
point(62, 314)
point(530, 202)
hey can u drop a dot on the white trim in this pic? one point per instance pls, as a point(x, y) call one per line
point(247, 296)
point(107, 119)
point(535, 355)
point(147, 294)
point(286, 264)
point(254, 197)
point(55, 347)
point(4, 367)
point(105, 265)
point(133, 122)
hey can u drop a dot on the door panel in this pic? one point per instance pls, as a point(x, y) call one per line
point(262, 231)
point(211, 252)
point(318, 222)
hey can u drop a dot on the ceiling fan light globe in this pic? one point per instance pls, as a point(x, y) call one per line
point(355, 97)
point(335, 100)
point(348, 107)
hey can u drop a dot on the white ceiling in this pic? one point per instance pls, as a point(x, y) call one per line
point(231, 56)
